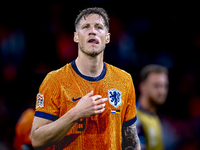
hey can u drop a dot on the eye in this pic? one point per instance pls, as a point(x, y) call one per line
point(156, 85)
point(99, 27)
point(85, 27)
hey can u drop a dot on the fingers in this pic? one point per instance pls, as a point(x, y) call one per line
point(100, 106)
point(90, 94)
point(99, 111)
point(93, 97)
point(102, 100)
point(94, 104)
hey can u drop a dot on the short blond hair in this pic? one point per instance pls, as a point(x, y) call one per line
point(152, 68)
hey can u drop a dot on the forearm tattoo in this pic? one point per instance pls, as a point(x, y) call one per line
point(130, 138)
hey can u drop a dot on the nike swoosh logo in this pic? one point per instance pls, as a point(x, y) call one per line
point(76, 99)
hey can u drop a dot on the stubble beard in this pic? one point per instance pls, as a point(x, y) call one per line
point(93, 53)
point(157, 101)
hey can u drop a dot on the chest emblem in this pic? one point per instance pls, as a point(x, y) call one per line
point(115, 97)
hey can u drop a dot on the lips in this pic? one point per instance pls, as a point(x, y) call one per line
point(95, 41)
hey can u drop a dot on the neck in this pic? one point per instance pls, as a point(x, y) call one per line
point(90, 66)
point(146, 104)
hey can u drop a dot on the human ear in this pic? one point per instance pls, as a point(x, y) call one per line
point(76, 37)
point(107, 38)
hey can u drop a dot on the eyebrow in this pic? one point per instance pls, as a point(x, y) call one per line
point(96, 24)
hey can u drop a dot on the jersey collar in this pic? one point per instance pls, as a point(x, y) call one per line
point(93, 79)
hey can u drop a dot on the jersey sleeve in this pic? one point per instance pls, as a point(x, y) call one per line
point(47, 104)
point(130, 115)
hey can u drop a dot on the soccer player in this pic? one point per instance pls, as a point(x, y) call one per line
point(87, 103)
point(153, 92)
point(22, 139)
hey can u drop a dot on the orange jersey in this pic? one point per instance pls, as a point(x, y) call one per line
point(23, 129)
point(61, 91)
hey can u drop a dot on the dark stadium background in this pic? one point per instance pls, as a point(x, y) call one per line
point(37, 37)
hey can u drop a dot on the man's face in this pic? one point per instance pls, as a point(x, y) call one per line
point(155, 87)
point(92, 35)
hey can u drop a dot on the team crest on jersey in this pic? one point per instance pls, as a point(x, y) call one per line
point(115, 97)
point(40, 101)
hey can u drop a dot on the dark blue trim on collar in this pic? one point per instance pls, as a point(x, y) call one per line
point(93, 79)
point(45, 115)
point(129, 122)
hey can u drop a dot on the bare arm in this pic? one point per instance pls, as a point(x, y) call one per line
point(130, 138)
point(46, 133)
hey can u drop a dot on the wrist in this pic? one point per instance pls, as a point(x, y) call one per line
point(74, 114)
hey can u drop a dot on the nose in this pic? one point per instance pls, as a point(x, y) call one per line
point(92, 31)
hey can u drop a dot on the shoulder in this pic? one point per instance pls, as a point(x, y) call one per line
point(55, 77)
point(117, 72)
point(141, 114)
point(58, 74)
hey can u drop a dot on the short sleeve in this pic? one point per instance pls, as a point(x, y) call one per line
point(130, 114)
point(47, 100)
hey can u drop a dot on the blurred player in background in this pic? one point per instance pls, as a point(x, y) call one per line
point(87, 103)
point(23, 127)
point(153, 92)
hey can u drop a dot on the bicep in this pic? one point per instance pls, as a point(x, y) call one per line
point(130, 137)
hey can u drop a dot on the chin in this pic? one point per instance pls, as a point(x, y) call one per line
point(91, 52)
point(94, 53)
point(159, 101)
